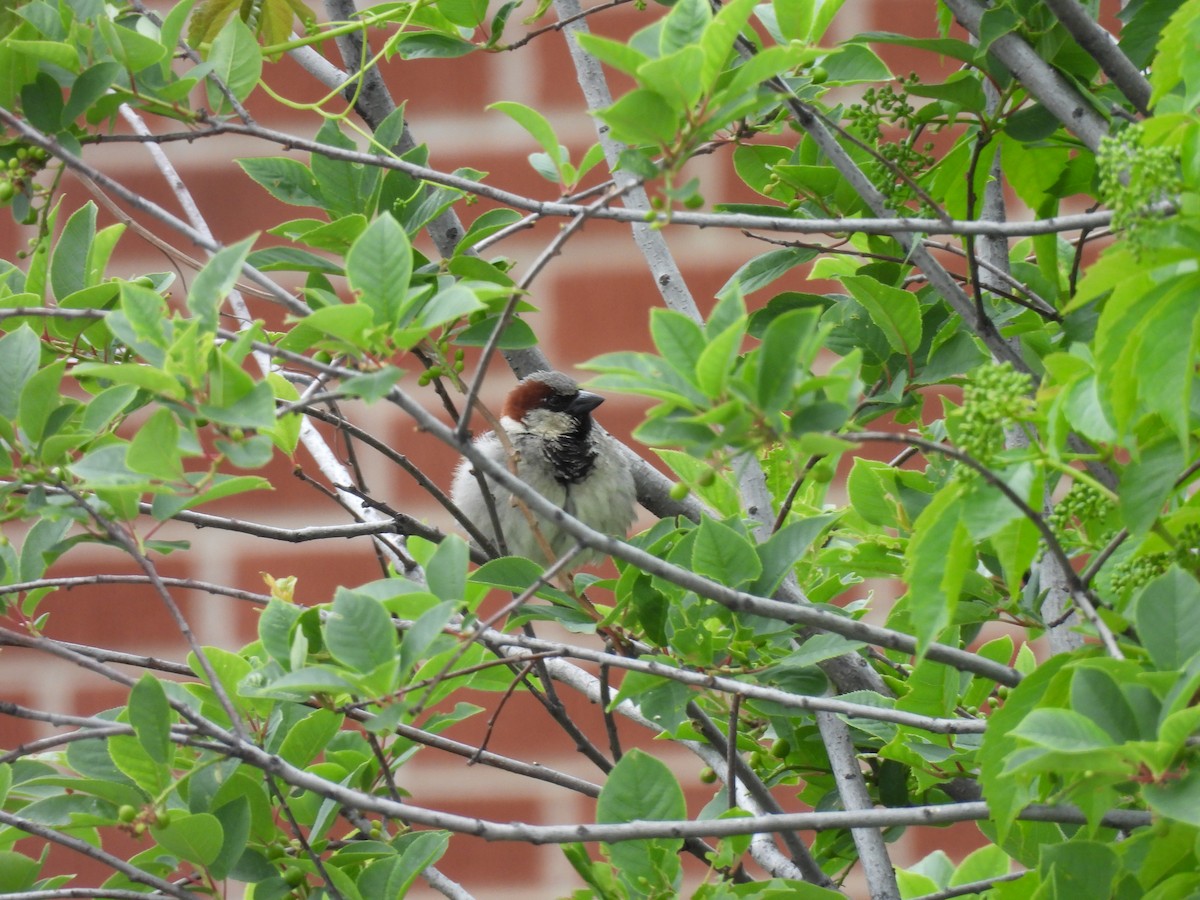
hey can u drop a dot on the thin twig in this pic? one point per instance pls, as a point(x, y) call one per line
point(130, 871)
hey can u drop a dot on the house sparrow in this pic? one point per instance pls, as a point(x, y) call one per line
point(562, 456)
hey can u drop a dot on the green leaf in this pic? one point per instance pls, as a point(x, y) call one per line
point(938, 558)
point(154, 449)
point(309, 737)
point(235, 819)
point(1176, 799)
point(154, 380)
point(537, 125)
point(275, 625)
point(431, 45)
point(105, 467)
point(620, 56)
point(446, 571)
point(379, 267)
point(777, 368)
point(448, 305)
point(1063, 730)
point(678, 338)
point(213, 283)
point(784, 549)
point(962, 89)
point(641, 787)
point(685, 24)
point(131, 758)
point(642, 117)
point(421, 636)
point(464, 13)
point(1176, 52)
point(42, 546)
point(237, 60)
point(486, 225)
point(716, 363)
point(392, 876)
point(895, 312)
point(19, 354)
point(106, 405)
point(302, 682)
point(196, 838)
point(373, 386)
point(1166, 619)
point(762, 270)
point(359, 631)
point(724, 555)
point(718, 39)
point(854, 64)
point(254, 408)
point(949, 47)
point(145, 311)
point(986, 863)
point(349, 322)
point(135, 51)
point(1147, 482)
point(63, 55)
point(1078, 868)
point(40, 398)
point(285, 179)
point(341, 182)
point(675, 77)
point(150, 716)
point(292, 259)
point(17, 873)
point(1096, 695)
point(69, 262)
point(805, 22)
point(748, 78)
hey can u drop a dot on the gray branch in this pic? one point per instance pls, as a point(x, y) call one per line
point(879, 224)
point(848, 777)
point(1103, 48)
point(1041, 79)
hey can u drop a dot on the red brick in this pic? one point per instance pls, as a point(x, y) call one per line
point(16, 731)
point(95, 695)
point(557, 84)
point(434, 88)
point(117, 616)
point(319, 568)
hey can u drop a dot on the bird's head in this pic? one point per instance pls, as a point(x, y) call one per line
point(552, 405)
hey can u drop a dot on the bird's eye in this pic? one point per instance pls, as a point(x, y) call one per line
point(560, 402)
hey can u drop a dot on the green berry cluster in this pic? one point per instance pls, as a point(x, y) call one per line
point(1133, 178)
point(888, 107)
point(21, 164)
point(996, 396)
point(1082, 506)
point(1132, 574)
point(439, 370)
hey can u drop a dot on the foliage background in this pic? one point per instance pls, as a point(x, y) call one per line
point(590, 304)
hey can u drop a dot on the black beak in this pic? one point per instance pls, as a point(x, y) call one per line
point(584, 403)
